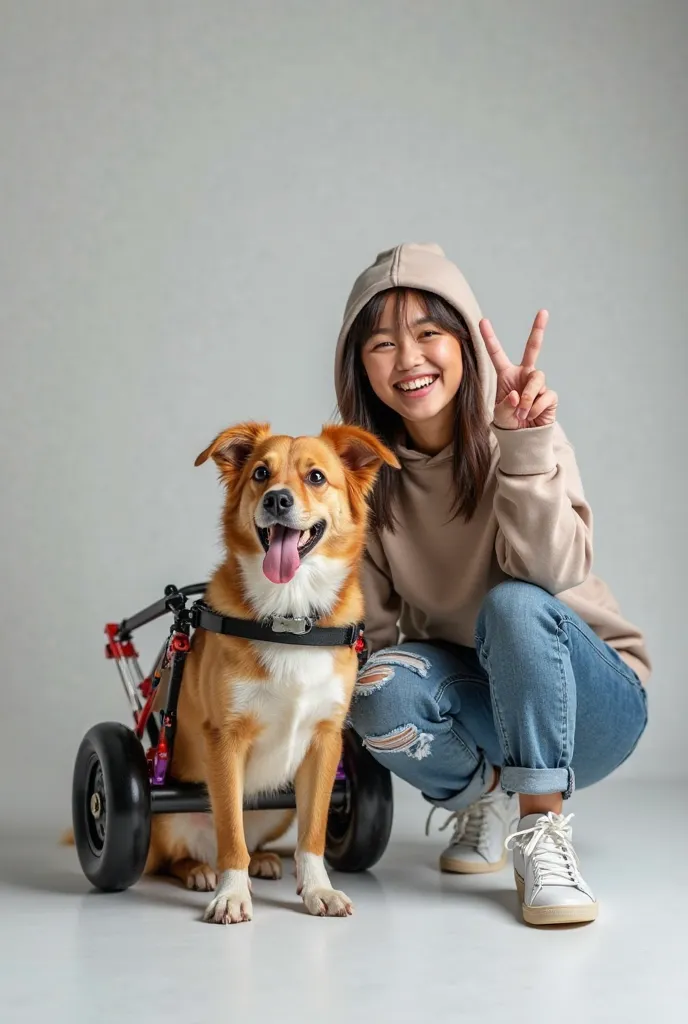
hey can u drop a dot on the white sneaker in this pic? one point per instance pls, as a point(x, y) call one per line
point(547, 872)
point(478, 844)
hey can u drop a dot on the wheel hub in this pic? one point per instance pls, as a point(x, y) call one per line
point(96, 813)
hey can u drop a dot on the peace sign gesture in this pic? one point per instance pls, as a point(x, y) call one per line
point(523, 399)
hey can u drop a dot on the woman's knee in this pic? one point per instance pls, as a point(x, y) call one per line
point(517, 640)
point(513, 605)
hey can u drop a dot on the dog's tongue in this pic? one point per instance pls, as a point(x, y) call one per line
point(282, 558)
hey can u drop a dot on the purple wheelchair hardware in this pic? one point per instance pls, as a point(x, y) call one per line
point(157, 769)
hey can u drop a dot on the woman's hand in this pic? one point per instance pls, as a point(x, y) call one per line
point(523, 398)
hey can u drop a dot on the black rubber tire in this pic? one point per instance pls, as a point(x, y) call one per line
point(357, 835)
point(112, 845)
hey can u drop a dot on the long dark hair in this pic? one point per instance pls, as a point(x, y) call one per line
point(359, 405)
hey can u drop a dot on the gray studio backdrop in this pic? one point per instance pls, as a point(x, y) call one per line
point(186, 193)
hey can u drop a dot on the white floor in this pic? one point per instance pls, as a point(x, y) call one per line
point(422, 946)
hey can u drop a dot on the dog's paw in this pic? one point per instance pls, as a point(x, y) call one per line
point(201, 878)
point(229, 908)
point(265, 864)
point(327, 902)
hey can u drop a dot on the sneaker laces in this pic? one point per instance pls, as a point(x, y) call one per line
point(469, 824)
point(554, 859)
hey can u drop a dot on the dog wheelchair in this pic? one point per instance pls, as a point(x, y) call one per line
point(120, 780)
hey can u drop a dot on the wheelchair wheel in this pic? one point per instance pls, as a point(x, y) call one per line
point(111, 808)
point(358, 833)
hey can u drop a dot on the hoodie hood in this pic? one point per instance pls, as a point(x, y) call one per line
point(421, 266)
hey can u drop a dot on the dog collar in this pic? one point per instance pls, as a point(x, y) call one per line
point(279, 629)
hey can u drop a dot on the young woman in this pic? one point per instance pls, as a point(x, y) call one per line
point(499, 664)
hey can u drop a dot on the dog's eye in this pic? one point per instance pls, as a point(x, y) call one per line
point(316, 477)
point(261, 474)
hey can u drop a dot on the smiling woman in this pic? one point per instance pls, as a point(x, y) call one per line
point(408, 352)
point(500, 665)
point(411, 357)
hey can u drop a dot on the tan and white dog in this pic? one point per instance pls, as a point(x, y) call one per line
point(255, 716)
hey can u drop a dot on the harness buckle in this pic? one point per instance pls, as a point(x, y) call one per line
point(286, 624)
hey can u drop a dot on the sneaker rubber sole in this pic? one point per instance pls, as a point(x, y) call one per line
point(582, 913)
point(472, 867)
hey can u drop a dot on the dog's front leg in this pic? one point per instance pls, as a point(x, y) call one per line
point(314, 782)
point(226, 752)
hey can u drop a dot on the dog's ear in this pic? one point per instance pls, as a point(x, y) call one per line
point(361, 452)
point(232, 449)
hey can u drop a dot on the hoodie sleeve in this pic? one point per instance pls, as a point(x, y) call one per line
point(544, 531)
point(382, 603)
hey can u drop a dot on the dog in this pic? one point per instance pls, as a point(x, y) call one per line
point(256, 716)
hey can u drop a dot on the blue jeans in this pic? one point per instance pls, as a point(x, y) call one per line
point(541, 697)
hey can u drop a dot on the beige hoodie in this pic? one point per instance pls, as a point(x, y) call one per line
point(428, 579)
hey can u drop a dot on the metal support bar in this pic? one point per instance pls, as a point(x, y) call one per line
point(186, 797)
point(158, 608)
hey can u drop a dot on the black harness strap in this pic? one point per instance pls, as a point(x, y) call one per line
point(280, 629)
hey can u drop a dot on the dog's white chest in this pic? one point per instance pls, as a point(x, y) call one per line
point(302, 690)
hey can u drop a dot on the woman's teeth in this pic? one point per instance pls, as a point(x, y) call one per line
point(415, 385)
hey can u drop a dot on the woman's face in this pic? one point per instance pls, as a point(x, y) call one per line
point(414, 367)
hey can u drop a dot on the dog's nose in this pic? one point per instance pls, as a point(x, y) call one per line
point(276, 503)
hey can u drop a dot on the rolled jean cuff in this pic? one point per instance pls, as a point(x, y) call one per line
point(480, 783)
point(538, 781)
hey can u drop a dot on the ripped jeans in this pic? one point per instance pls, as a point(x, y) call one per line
point(541, 697)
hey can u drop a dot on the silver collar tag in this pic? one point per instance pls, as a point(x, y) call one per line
point(286, 624)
